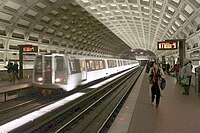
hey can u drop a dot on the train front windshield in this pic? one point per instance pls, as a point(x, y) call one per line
point(43, 69)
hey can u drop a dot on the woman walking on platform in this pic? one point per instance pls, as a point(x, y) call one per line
point(155, 74)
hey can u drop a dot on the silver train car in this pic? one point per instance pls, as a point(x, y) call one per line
point(58, 71)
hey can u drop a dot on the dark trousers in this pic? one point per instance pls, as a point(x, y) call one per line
point(155, 91)
point(15, 75)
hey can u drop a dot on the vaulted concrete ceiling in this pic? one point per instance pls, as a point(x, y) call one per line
point(110, 27)
point(142, 23)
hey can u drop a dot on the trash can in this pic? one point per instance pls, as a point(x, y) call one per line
point(197, 78)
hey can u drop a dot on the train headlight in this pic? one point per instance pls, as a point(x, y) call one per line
point(57, 80)
point(40, 79)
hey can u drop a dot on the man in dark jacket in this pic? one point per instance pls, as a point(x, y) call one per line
point(9, 68)
point(15, 71)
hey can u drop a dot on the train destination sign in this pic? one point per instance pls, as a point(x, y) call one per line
point(167, 45)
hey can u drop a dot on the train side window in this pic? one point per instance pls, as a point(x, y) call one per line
point(101, 64)
point(97, 66)
point(82, 66)
point(114, 63)
point(72, 65)
point(109, 63)
point(90, 65)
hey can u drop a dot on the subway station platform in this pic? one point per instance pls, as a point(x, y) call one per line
point(176, 113)
point(11, 90)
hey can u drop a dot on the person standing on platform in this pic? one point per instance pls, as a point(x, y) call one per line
point(176, 70)
point(9, 68)
point(155, 74)
point(190, 77)
point(167, 68)
point(15, 71)
point(186, 73)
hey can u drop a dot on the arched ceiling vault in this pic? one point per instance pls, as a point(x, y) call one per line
point(110, 27)
point(141, 23)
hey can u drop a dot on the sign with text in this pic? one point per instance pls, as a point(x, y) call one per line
point(167, 45)
point(30, 48)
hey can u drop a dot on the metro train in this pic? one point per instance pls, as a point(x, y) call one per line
point(58, 71)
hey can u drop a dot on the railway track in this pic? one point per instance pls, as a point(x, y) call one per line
point(90, 113)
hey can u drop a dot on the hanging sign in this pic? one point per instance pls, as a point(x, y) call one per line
point(167, 45)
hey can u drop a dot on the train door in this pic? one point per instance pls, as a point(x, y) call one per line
point(83, 69)
point(38, 69)
point(47, 69)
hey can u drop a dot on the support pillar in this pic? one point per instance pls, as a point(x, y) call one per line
point(163, 60)
point(20, 61)
point(181, 52)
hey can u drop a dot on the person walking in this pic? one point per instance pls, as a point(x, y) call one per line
point(15, 71)
point(155, 74)
point(176, 70)
point(186, 73)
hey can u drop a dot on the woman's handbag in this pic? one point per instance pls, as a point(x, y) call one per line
point(162, 83)
point(185, 81)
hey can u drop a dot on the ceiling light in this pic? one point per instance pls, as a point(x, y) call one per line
point(181, 17)
point(171, 9)
point(177, 23)
point(158, 3)
point(157, 10)
point(165, 21)
point(102, 6)
point(189, 9)
point(124, 5)
point(85, 1)
point(167, 15)
point(92, 7)
point(113, 5)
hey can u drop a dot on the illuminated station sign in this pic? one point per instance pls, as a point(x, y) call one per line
point(30, 48)
point(167, 45)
